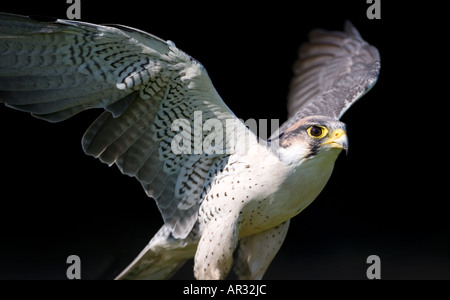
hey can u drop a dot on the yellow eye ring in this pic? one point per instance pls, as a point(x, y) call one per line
point(317, 131)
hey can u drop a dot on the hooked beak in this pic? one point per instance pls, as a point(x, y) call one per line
point(338, 139)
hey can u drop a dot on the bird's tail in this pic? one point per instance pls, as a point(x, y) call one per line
point(161, 258)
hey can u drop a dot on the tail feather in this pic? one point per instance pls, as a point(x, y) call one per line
point(161, 258)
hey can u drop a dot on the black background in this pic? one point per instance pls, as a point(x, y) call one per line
point(386, 197)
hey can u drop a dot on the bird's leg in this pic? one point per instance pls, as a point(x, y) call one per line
point(214, 257)
point(256, 252)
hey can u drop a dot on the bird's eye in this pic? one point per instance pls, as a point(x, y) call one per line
point(317, 132)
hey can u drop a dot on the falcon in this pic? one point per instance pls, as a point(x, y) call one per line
point(228, 203)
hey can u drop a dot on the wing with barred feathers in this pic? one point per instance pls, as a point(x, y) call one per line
point(333, 71)
point(57, 69)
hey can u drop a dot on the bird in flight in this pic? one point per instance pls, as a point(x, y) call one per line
point(226, 196)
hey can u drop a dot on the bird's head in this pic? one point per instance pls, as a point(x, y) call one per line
point(311, 137)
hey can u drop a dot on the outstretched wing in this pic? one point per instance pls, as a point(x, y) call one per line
point(150, 90)
point(334, 69)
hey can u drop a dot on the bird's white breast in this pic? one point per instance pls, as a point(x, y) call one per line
point(290, 190)
point(258, 191)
